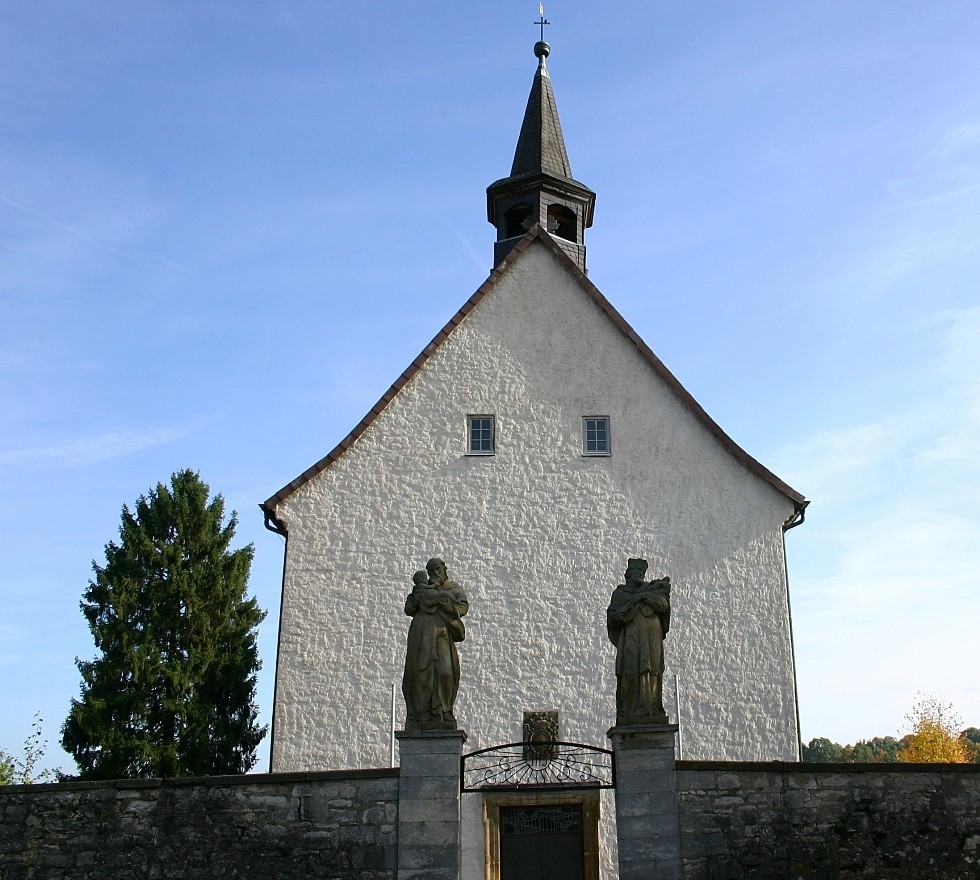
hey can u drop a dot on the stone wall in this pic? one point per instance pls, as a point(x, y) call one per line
point(817, 821)
point(738, 821)
point(333, 826)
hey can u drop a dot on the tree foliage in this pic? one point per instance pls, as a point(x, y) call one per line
point(823, 751)
point(23, 770)
point(935, 737)
point(172, 692)
point(879, 750)
point(971, 736)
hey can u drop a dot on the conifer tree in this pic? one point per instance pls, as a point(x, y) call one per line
point(173, 690)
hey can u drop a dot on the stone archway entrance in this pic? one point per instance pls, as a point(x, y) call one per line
point(540, 808)
point(543, 835)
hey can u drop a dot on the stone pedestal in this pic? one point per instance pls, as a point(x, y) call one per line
point(428, 804)
point(647, 825)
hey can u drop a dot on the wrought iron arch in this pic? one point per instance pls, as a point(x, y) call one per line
point(530, 766)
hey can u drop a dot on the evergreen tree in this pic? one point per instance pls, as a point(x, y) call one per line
point(173, 692)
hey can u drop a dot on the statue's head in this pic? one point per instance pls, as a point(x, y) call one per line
point(437, 570)
point(635, 570)
point(420, 578)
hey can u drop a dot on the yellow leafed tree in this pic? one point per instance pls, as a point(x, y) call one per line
point(935, 737)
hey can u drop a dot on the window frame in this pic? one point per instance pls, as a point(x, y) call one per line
point(604, 453)
point(470, 419)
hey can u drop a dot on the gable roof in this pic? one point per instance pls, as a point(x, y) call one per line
point(537, 233)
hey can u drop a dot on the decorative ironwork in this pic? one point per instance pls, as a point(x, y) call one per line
point(525, 766)
point(553, 819)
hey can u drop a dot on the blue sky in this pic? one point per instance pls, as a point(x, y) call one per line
point(225, 228)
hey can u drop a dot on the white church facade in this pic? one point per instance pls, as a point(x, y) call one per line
point(535, 444)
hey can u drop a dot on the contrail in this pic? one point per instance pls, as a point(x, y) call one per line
point(80, 234)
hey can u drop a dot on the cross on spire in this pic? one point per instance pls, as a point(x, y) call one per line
point(542, 21)
point(540, 189)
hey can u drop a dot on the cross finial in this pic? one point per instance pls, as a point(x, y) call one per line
point(542, 21)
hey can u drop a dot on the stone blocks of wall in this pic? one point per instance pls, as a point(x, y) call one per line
point(333, 826)
point(738, 821)
point(428, 809)
point(646, 802)
point(783, 821)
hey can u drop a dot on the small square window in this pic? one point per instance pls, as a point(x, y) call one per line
point(480, 435)
point(595, 435)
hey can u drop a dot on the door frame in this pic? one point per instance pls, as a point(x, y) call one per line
point(588, 799)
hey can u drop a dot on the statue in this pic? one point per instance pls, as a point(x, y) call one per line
point(637, 620)
point(431, 679)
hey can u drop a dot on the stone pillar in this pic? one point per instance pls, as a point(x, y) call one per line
point(647, 823)
point(428, 804)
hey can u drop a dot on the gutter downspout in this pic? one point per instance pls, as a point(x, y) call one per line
point(273, 524)
point(797, 519)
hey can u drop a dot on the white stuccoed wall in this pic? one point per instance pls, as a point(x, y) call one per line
point(538, 535)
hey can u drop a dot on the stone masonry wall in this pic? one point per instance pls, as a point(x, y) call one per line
point(332, 826)
point(738, 821)
point(821, 821)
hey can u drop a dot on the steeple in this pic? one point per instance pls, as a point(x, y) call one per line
point(540, 188)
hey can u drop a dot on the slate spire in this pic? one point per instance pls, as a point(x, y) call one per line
point(540, 188)
point(540, 146)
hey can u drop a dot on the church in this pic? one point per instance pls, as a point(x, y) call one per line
point(535, 444)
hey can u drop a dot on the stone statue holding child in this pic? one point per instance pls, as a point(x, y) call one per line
point(431, 680)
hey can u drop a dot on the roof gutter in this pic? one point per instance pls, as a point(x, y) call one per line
point(272, 522)
point(798, 517)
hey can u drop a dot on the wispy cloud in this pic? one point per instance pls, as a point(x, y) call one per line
point(963, 137)
point(480, 263)
point(62, 218)
point(79, 233)
point(843, 461)
point(886, 598)
point(76, 451)
point(21, 633)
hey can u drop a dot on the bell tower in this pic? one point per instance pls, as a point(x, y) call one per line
point(540, 188)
